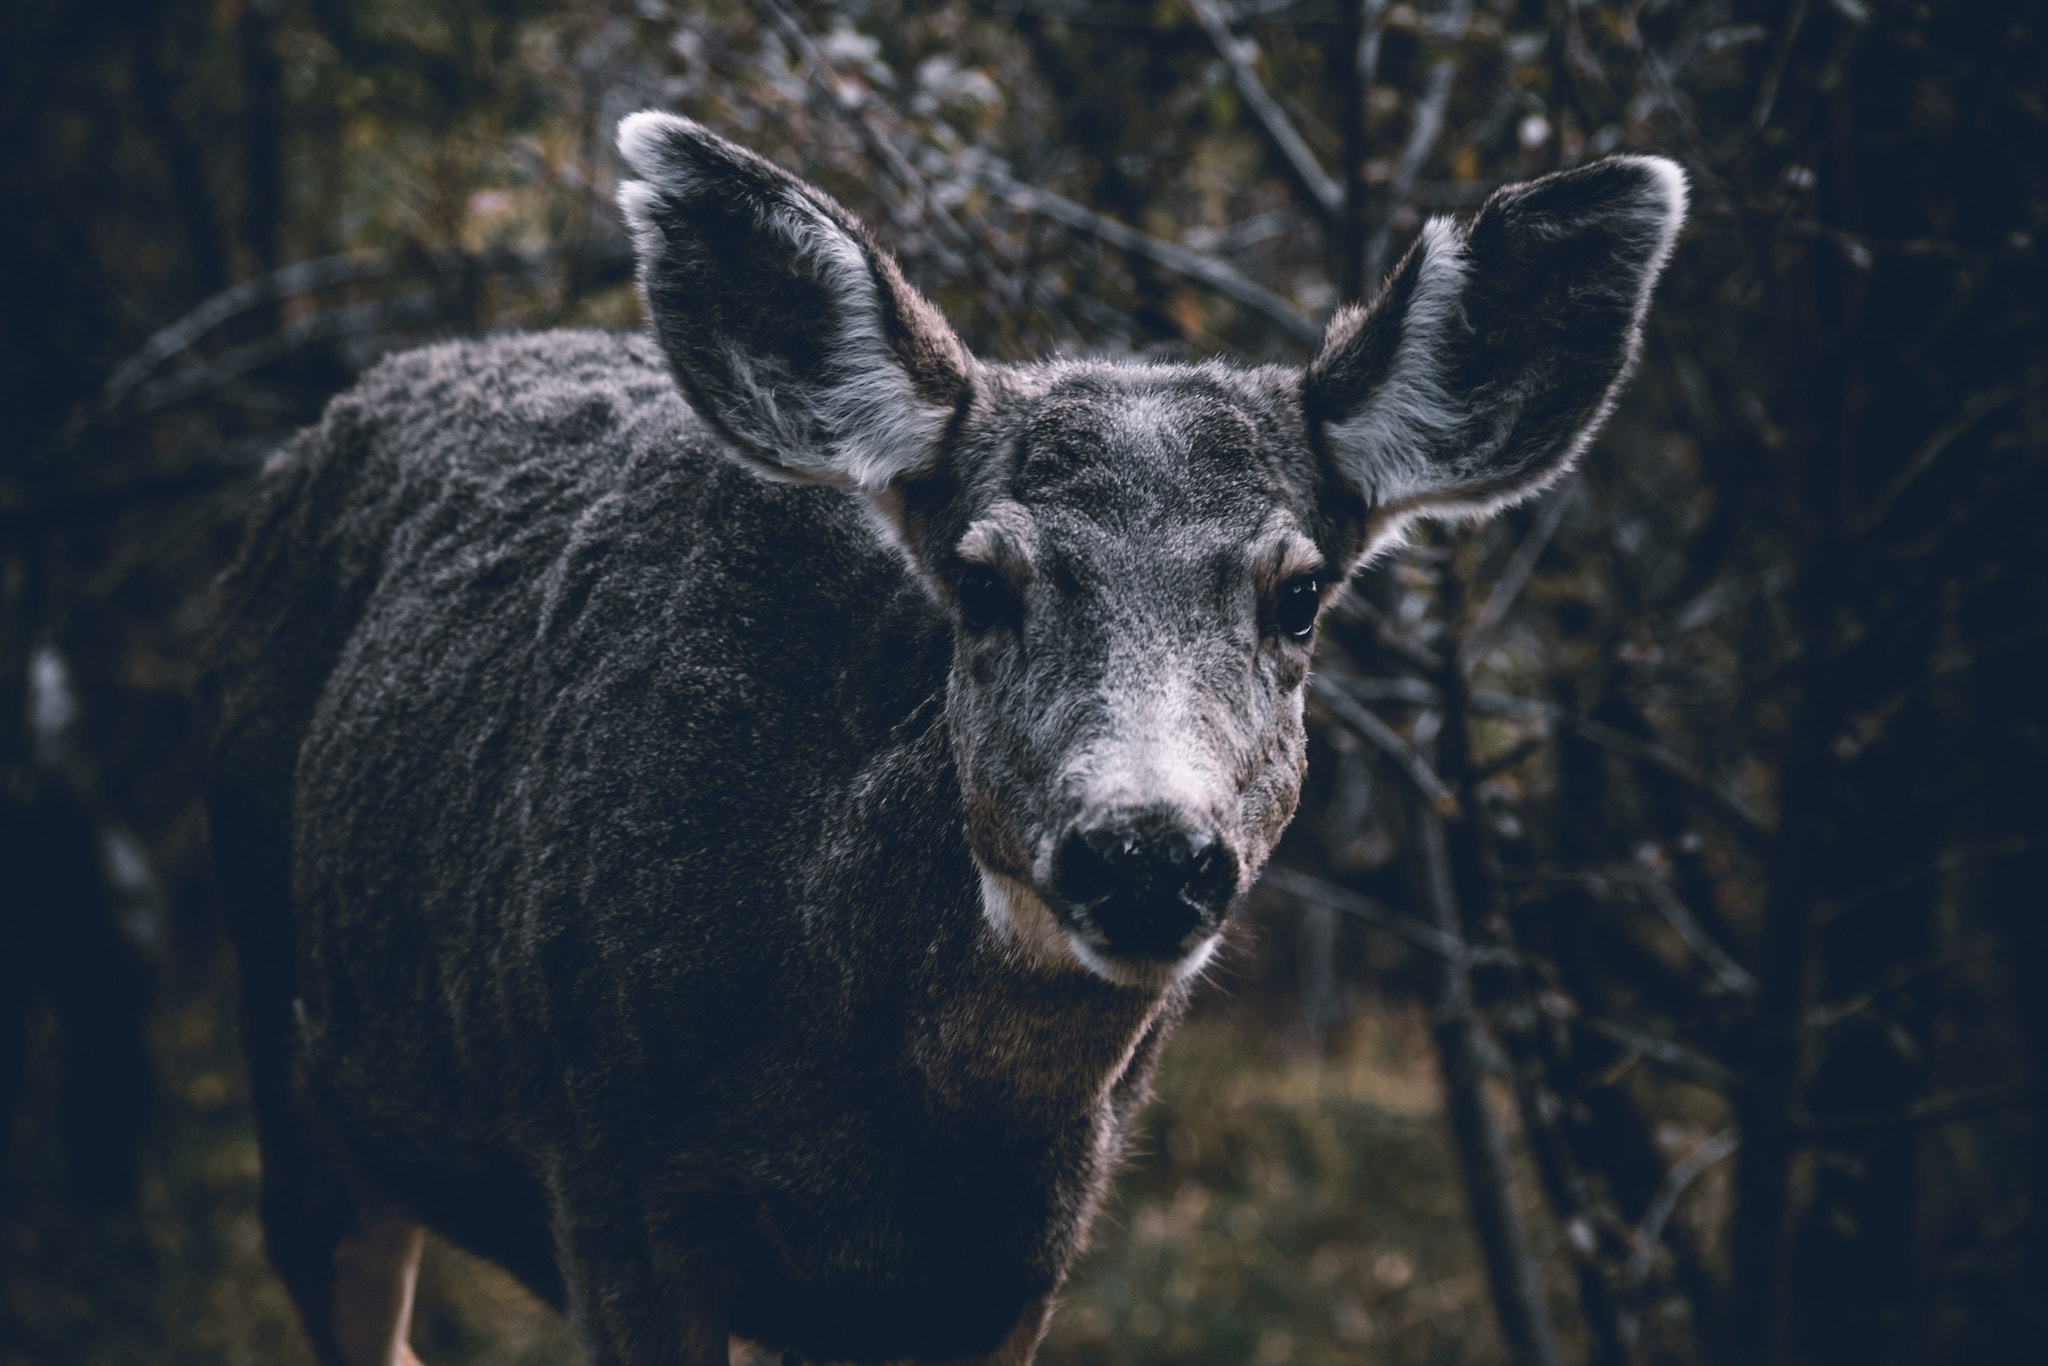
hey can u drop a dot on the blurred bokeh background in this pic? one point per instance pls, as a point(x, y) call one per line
point(1658, 969)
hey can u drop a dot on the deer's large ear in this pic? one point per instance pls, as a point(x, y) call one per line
point(1496, 348)
point(782, 320)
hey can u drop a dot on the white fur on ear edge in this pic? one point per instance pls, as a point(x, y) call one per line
point(877, 426)
point(1413, 411)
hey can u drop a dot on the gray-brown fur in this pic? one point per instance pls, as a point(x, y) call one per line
point(658, 879)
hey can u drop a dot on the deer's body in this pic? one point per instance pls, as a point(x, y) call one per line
point(524, 908)
point(743, 907)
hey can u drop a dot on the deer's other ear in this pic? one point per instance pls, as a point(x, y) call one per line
point(1495, 349)
point(784, 323)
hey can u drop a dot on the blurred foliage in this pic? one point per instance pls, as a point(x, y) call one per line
point(1741, 733)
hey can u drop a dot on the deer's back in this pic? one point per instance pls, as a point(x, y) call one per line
point(561, 716)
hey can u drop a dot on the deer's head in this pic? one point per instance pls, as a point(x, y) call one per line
point(1134, 555)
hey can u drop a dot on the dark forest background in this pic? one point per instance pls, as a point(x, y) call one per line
point(1658, 970)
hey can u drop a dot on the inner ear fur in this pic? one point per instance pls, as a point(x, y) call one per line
point(1497, 347)
point(783, 322)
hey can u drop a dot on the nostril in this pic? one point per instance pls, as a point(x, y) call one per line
point(1116, 848)
point(1212, 874)
point(1130, 866)
point(1086, 869)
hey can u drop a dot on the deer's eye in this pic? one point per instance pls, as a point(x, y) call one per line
point(985, 600)
point(1294, 610)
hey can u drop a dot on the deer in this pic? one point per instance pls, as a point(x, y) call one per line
point(720, 821)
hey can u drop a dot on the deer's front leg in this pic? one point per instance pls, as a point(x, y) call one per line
point(642, 1291)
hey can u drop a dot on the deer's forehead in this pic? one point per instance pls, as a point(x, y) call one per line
point(1136, 451)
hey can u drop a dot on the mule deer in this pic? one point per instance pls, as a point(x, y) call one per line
point(752, 907)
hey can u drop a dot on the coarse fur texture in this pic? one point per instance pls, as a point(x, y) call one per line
point(755, 906)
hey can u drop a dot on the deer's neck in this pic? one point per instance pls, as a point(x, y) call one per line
point(1044, 1038)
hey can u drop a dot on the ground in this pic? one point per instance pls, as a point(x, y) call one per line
point(1288, 1201)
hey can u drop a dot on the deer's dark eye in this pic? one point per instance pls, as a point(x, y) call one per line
point(985, 600)
point(1294, 611)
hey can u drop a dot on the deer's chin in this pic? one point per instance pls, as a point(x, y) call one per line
point(1031, 931)
point(1144, 974)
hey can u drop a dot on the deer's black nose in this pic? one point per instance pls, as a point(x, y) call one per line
point(1144, 888)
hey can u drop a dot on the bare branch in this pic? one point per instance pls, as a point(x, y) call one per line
point(1139, 14)
point(1679, 917)
point(348, 320)
point(1732, 803)
point(1862, 251)
point(1410, 761)
point(1516, 575)
point(1420, 933)
point(1258, 228)
point(1864, 729)
point(1827, 1017)
point(828, 93)
point(1933, 1110)
point(1665, 1202)
point(1654, 888)
point(1388, 636)
point(1680, 1059)
point(1725, 799)
point(298, 278)
point(1219, 276)
point(1947, 861)
point(1405, 689)
point(1979, 407)
point(1489, 1187)
point(130, 379)
point(1422, 135)
point(1774, 72)
point(1509, 757)
point(1317, 183)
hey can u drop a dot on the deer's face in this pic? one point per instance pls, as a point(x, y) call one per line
point(1133, 556)
point(1134, 571)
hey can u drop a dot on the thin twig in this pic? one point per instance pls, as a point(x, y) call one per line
point(1747, 817)
point(1414, 691)
point(1664, 1203)
point(299, 278)
point(348, 320)
point(1933, 1110)
point(1864, 730)
point(1389, 636)
point(1249, 232)
point(1662, 898)
point(1947, 861)
point(1322, 190)
point(1422, 135)
point(1509, 757)
point(1420, 933)
point(1410, 761)
point(1732, 803)
point(1489, 1186)
point(1862, 250)
point(129, 381)
point(829, 93)
point(1680, 1059)
point(1979, 407)
point(1218, 275)
point(1521, 565)
point(1904, 974)
point(1668, 904)
point(1774, 73)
